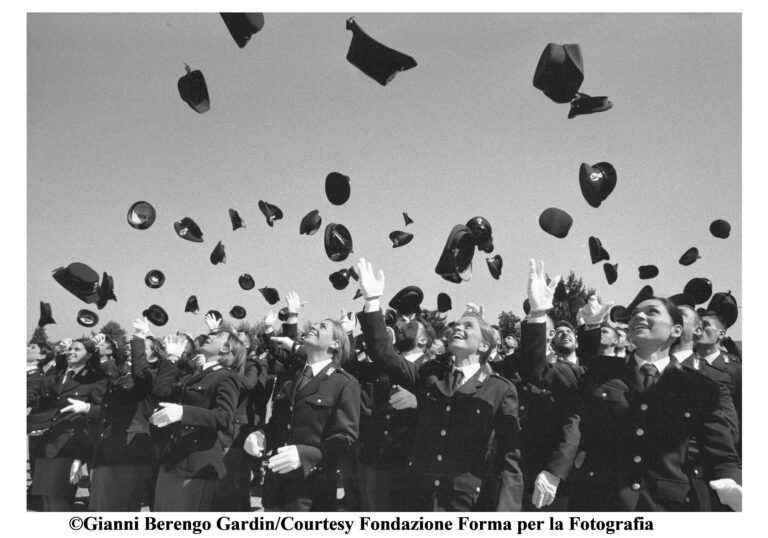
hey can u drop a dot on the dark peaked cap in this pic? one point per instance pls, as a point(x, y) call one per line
point(560, 72)
point(80, 280)
point(455, 263)
point(374, 59)
point(555, 222)
point(46, 316)
point(270, 294)
point(237, 222)
point(243, 25)
point(596, 251)
point(192, 305)
point(193, 90)
point(218, 255)
point(86, 318)
point(443, 302)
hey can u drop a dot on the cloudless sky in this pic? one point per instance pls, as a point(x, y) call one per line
point(463, 134)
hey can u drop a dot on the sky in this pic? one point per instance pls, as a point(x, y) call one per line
point(461, 135)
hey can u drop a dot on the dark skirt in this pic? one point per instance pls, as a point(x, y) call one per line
point(119, 488)
point(180, 494)
point(51, 478)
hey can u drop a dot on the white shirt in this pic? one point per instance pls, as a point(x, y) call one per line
point(413, 356)
point(211, 364)
point(318, 366)
point(659, 364)
point(469, 370)
point(711, 357)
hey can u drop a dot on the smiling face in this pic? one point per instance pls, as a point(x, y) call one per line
point(466, 337)
point(322, 336)
point(77, 354)
point(213, 344)
point(652, 326)
point(564, 341)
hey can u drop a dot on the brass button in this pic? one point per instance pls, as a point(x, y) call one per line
point(639, 432)
point(644, 407)
point(635, 486)
point(289, 426)
point(437, 483)
point(637, 459)
point(442, 433)
point(687, 414)
point(477, 411)
point(386, 432)
point(695, 472)
point(604, 395)
point(387, 417)
point(447, 407)
point(439, 457)
point(591, 473)
point(522, 408)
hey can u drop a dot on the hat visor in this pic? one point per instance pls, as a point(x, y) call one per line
point(185, 233)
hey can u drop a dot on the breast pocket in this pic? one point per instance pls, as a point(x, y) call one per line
point(320, 401)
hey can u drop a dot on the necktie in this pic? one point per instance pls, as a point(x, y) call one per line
point(649, 375)
point(305, 376)
point(457, 377)
point(67, 376)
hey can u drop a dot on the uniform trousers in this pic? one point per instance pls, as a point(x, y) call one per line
point(119, 487)
point(182, 494)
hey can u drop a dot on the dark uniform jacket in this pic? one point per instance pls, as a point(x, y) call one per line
point(456, 432)
point(194, 447)
point(322, 420)
point(71, 436)
point(636, 440)
point(251, 387)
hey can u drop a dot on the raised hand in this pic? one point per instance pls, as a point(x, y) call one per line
point(270, 318)
point(371, 285)
point(213, 322)
point(175, 344)
point(593, 312)
point(540, 293)
point(142, 327)
point(293, 302)
point(348, 321)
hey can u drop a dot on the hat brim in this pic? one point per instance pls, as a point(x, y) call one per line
point(189, 234)
point(455, 262)
point(408, 300)
point(335, 233)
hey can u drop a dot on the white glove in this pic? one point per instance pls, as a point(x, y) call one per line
point(593, 312)
point(293, 302)
point(544, 489)
point(371, 285)
point(142, 327)
point(348, 321)
point(77, 471)
point(286, 460)
point(174, 344)
point(728, 491)
point(283, 342)
point(402, 399)
point(213, 322)
point(254, 444)
point(65, 344)
point(98, 339)
point(270, 318)
point(199, 361)
point(472, 308)
point(540, 293)
point(76, 406)
point(169, 414)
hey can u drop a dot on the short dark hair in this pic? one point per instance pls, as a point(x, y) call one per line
point(564, 323)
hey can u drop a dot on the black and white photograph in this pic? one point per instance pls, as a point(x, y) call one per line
point(387, 263)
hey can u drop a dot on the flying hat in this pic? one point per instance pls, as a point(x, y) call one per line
point(400, 238)
point(337, 188)
point(526, 307)
point(596, 251)
point(218, 255)
point(682, 299)
point(374, 59)
point(271, 212)
point(237, 312)
point(455, 263)
point(80, 280)
point(408, 220)
point(141, 215)
point(282, 314)
point(584, 104)
point(193, 90)
point(622, 314)
point(270, 294)
point(216, 314)
point(338, 242)
point(555, 222)
point(390, 317)
point(86, 318)
point(725, 306)
point(561, 293)
point(46, 316)
point(156, 315)
point(358, 294)
point(353, 274)
point(611, 272)
point(187, 229)
point(689, 256)
point(339, 279)
point(482, 232)
point(106, 291)
point(443, 303)
point(494, 266)
point(647, 271)
point(720, 228)
point(597, 182)
point(246, 281)
point(154, 279)
point(407, 301)
point(310, 223)
point(699, 288)
point(560, 72)
point(192, 305)
point(237, 222)
point(243, 25)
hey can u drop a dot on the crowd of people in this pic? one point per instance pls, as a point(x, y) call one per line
point(588, 415)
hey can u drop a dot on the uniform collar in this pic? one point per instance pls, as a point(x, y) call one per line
point(659, 364)
point(711, 357)
point(318, 366)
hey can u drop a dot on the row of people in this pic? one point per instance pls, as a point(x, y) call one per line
point(186, 421)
